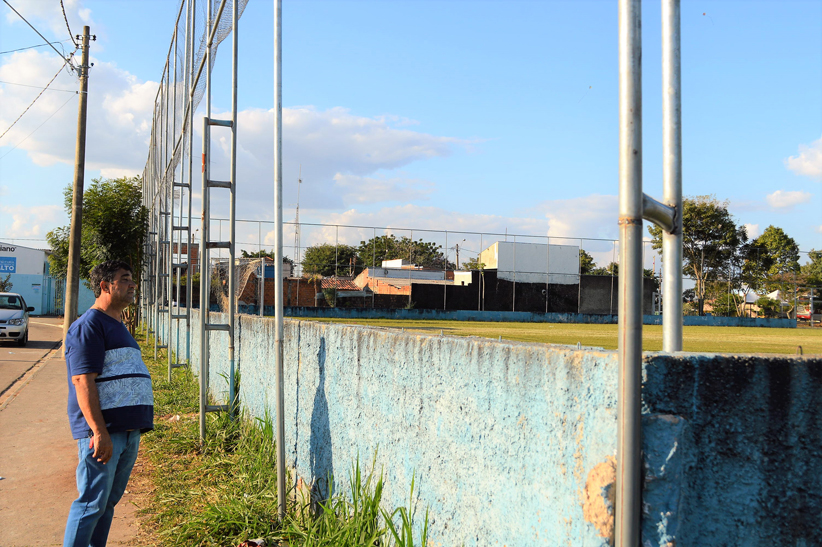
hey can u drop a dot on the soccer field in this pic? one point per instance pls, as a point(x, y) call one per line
point(696, 339)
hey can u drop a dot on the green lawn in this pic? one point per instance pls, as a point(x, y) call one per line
point(700, 339)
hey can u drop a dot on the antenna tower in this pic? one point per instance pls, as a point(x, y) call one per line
point(297, 262)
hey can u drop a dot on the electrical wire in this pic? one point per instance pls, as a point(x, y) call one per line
point(40, 87)
point(38, 127)
point(66, 59)
point(71, 34)
point(32, 102)
point(32, 47)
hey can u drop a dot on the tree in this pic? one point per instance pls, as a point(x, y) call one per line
point(473, 264)
point(613, 270)
point(812, 271)
point(266, 254)
point(772, 262)
point(725, 305)
point(710, 238)
point(388, 247)
point(114, 225)
point(586, 263)
point(768, 307)
point(782, 251)
point(326, 260)
point(6, 284)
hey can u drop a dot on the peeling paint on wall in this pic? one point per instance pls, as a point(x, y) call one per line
point(511, 443)
point(598, 498)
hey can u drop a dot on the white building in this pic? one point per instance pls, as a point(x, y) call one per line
point(533, 262)
point(28, 271)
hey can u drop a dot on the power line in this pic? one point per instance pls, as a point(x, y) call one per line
point(67, 59)
point(71, 34)
point(40, 87)
point(32, 102)
point(32, 47)
point(35, 129)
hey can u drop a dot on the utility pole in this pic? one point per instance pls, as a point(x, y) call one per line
point(73, 274)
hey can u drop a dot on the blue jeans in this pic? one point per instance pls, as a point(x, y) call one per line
point(100, 487)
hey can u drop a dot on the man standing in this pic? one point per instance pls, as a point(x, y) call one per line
point(110, 403)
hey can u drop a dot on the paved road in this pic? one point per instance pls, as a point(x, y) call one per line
point(37, 454)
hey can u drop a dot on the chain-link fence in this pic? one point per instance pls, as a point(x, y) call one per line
point(385, 267)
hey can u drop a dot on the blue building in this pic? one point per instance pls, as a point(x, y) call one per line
point(28, 271)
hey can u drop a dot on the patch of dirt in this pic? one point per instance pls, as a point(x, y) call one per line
point(141, 487)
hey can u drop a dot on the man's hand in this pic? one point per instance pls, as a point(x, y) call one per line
point(89, 403)
point(101, 443)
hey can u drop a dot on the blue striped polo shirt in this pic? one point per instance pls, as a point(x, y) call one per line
point(98, 343)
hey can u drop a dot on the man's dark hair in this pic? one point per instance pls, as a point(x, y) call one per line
point(106, 272)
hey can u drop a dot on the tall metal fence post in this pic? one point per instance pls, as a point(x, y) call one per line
point(672, 176)
point(278, 261)
point(628, 479)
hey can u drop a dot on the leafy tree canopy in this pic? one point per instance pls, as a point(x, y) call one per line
point(586, 263)
point(812, 271)
point(326, 259)
point(473, 264)
point(6, 284)
point(782, 250)
point(262, 253)
point(770, 261)
point(389, 247)
point(710, 239)
point(613, 269)
point(114, 225)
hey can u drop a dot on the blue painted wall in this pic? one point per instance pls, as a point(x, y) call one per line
point(518, 317)
point(514, 444)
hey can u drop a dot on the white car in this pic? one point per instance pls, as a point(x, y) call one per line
point(14, 318)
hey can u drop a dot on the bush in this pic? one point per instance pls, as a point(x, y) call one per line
point(768, 307)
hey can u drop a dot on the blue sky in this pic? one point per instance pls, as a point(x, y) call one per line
point(443, 115)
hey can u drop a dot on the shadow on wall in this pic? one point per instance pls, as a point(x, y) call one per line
point(320, 450)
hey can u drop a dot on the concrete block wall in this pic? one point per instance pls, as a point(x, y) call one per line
point(514, 444)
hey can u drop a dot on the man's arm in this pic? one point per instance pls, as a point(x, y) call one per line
point(89, 402)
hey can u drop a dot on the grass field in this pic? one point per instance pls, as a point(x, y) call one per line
point(696, 339)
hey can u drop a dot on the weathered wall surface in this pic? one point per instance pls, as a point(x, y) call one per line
point(754, 445)
point(514, 444)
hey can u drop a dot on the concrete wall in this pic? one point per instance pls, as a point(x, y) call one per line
point(514, 444)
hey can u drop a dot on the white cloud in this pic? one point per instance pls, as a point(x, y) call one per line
point(819, 229)
point(808, 162)
point(356, 189)
point(30, 221)
point(339, 154)
point(564, 221)
point(787, 200)
point(753, 230)
point(592, 216)
point(119, 114)
point(51, 15)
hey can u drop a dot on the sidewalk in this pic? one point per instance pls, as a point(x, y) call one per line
point(37, 462)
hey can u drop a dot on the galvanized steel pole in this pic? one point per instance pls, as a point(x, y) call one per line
point(278, 257)
point(628, 478)
point(205, 235)
point(232, 268)
point(672, 176)
point(205, 283)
